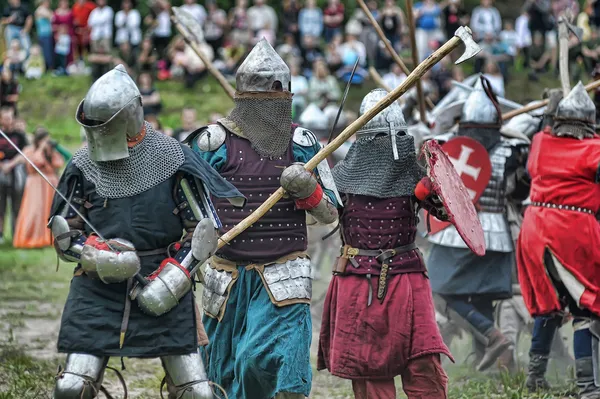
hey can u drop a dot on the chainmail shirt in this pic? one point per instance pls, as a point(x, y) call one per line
point(573, 128)
point(370, 168)
point(265, 122)
point(155, 159)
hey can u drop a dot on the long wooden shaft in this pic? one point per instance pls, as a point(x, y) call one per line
point(415, 56)
point(532, 107)
point(209, 65)
point(385, 102)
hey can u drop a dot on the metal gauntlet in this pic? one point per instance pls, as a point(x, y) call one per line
point(304, 188)
point(173, 280)
point(112, 261)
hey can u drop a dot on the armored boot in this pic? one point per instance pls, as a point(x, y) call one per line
point(186, 377)
point(81, 377)
point(584, 373)
point(497, 344)
point(536, 379)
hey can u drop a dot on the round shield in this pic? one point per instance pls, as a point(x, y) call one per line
point(458, 199)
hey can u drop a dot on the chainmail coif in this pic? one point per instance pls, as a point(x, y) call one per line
point(265, 122)
point(155, 159)
point(370, 169)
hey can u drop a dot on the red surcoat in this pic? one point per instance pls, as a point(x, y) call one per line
point(563, 172)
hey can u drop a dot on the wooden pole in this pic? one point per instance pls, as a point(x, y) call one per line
point(385, 102)
point(532, 107)
point(209, 65)
point(388, 46)
point(415, 56)
point(378, 80)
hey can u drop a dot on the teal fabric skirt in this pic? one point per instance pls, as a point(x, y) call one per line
point(258, 349)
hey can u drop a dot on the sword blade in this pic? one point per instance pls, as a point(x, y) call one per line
point(52, 185)
point(346, 90)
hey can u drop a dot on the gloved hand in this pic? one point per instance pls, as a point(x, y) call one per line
point(430, 201)
point(112, 261)
point(302, 186)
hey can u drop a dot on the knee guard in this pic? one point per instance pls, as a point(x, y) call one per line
point(186, 377)
point(81, 378)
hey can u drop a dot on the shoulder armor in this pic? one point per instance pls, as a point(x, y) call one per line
point(444, 137)
point(305, 137)
point(210, 138)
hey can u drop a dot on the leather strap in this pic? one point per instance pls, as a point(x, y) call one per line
point(380, 254)
point(152, 252)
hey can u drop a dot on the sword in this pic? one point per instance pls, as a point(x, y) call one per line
point(346, 90)
point(139, 278)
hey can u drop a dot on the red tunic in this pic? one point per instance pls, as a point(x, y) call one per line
point(563, 172)
point(377, 341)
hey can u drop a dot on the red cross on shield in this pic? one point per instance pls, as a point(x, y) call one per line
point(471, 164)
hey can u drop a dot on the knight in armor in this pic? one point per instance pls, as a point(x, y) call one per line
point(258, 288)
point(148, 196)
point(558, 252)
point(379, 318)
point(465, 285)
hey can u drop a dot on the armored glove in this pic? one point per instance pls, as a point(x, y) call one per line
point(112, 261)
point(430, 201)
point(303, 187)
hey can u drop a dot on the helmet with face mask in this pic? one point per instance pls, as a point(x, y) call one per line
point(382, 161)
point(575, 115)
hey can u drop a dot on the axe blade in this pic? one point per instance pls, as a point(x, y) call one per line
point(471, 48)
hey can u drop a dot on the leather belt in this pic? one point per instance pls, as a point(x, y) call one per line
point(383, 256)
point(563, 207)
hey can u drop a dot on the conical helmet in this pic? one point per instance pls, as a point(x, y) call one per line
point(577, 105)
point(479, 108)
point(389, 121)
point(263, 70)
point(110, 113)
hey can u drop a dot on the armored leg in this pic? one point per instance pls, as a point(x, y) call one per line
point(186, 377)
point(81, 378)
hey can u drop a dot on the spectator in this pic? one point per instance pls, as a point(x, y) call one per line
point(427, 24)
point(352, 49)
point(288, 50)
point(187, 61)
point(494, 75)
point(333, 19)
point(63, 18)
point(266, 33)
point(35, 65)
point(101, 26)
point(583, 22)
point(324, 91)
point(128, 23)
point(368, 35)
point(17, 23)
point(101, 59)
point(150, 96)
point(310, 53)
point(492, 50)
point(260, 15)
point(539, 56)
point(485, 19)
point(159, 23)
point(509, 38)
point(238, 21)
point(9, 90)
point(43, 27)
point(31, 230)
point(126, 56)
point(453, 17)
point(290, 18)
point(595, 13)
point(233, 54)
point(146, 61)
point(215, 25)
point(62, 49)
point(442, 77)
point(189, 123)
point(391, 22)
point(310, 20)
point(15, 57)
point(81, 14)
point(540, 17)
point(300, 90)
point(333, 53)
point(195, 10)
point(394, 77)
point(523, 36)
point(11, 184)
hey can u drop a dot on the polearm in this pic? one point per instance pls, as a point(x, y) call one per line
point(537, 105)
point(388, 46)
point(471, 49)
point(187, 25)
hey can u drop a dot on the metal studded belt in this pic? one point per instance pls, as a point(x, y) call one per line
point(563, 207)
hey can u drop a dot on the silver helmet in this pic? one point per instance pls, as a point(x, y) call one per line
point(479, 108)
point(577, 105)
point(263, 70)
point(389, 121)
point(110, 113)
